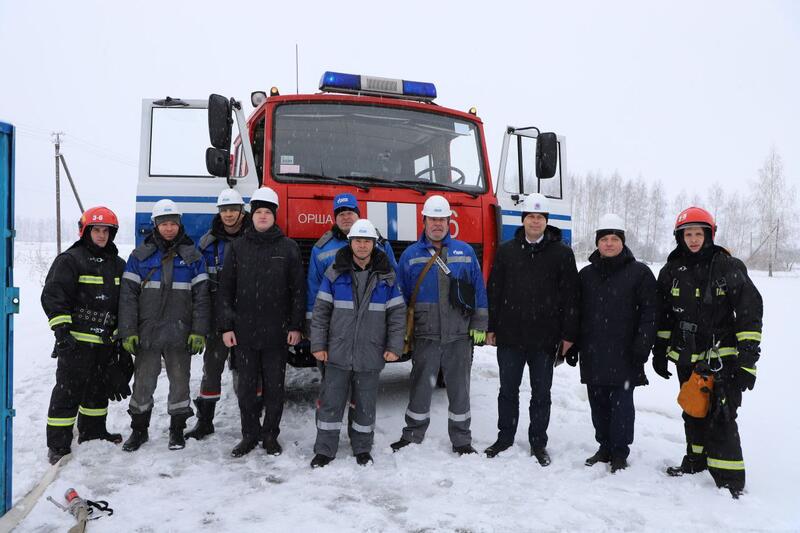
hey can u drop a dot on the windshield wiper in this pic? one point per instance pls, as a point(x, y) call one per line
point(337, 179)
point(390, 182)
point(440, 186)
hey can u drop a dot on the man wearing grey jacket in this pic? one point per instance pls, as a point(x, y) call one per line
point(358, 324)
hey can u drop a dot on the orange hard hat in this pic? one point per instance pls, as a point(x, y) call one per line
point(695, 217)
point(97, 216)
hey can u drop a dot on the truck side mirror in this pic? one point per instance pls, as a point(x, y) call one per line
point(218, 162)
point(220, 122)
point(546, 155)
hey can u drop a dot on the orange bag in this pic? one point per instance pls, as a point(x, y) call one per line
point(695, 394)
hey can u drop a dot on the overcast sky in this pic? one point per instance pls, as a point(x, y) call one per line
point(687, 92)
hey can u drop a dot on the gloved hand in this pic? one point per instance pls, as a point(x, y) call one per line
point(197, 343)
point(131, 344)
point(117, 376)
point(749, 352)
point(65, 342)
point(478, 337)
point(660, 358)
point(572, 355)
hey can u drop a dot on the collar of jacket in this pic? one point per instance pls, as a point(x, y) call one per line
point(551, 234)
point(218, 232)
point(110, 249)
point(705, 254)
point(379, 262)
point(183, 245)
point(271, 235)
point(610, 265)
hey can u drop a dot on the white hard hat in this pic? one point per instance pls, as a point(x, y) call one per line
point(436, 206)
point(362, 229)
point(610, 221)
point(536, 203)
point(264, 194)
point(229, 197)
point(164, 207)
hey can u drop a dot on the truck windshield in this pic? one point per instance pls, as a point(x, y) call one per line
point(377, 144)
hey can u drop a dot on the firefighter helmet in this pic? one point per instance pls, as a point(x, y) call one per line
point(436, 206)
point(362, 229)
point(98, 216)
point(695, 217)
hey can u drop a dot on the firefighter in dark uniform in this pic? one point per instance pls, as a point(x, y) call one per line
point(710, 323)
point(80, 298)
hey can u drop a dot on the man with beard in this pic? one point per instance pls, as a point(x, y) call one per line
point(80, 298)
point(164, 312)
point(226, 226)
point(261, 300)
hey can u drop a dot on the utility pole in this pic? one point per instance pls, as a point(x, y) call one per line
point(57, 140)
point(296, 68)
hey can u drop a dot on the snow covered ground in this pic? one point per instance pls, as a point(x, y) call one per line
point(426, 487)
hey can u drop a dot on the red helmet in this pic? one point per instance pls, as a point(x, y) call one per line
point(695, 216)
point(98, 216)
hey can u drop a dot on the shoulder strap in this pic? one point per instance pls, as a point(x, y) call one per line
point(413, 301)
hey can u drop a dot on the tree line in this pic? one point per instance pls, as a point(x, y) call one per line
point(757, 224)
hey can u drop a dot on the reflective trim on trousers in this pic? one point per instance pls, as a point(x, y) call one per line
point(178, 405)
point(85, 411)
point(459, 418)
point(417, 416)
point(329, 426)
point(133, 404)
point(362, 429)
point(696, 448)
point(722, 464)
point(61, 422)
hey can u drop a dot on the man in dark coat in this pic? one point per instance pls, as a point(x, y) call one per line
point(618, 327)
point(533, 292)
point(709, 321)
point(262, 299)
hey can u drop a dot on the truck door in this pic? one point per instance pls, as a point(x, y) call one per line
point(517, 178)
point(174, 138)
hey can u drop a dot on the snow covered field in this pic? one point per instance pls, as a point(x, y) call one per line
point(421, 488)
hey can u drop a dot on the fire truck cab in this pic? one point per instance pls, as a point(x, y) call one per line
point(384, 140)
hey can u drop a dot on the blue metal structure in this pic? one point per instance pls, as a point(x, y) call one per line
point(9, 299)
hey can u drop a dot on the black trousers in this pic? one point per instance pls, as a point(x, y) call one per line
point(613, 415)
point(269, 365)
point(716, 437)
point(511, 361)
point(79, 394)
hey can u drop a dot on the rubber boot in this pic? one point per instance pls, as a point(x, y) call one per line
point(139, 424)
point(54, 455)
point(177, 424)
point(205, 419)
point(692, 463)
point(94, 428)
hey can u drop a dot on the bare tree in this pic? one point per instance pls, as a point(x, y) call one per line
point(776, 203)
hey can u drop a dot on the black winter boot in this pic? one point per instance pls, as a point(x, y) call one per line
point(496, 448)
point(618, 463)
point(320, 460)
point(139, 424)
point(54, 455)
point(205, 419)
point(466, 449)
point(272, 447)
point(94, 428)
point(541, 456)
point(364, 458)
point(692, 463)
point(601, 456)
point(402, 443)
point(244, 447)
point(177, 424)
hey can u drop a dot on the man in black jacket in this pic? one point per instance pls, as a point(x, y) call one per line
point(618, 327)
point(80, 298)
point(533, 290)
point(262, 299)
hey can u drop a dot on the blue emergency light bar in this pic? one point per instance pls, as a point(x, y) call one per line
point(339, 82)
